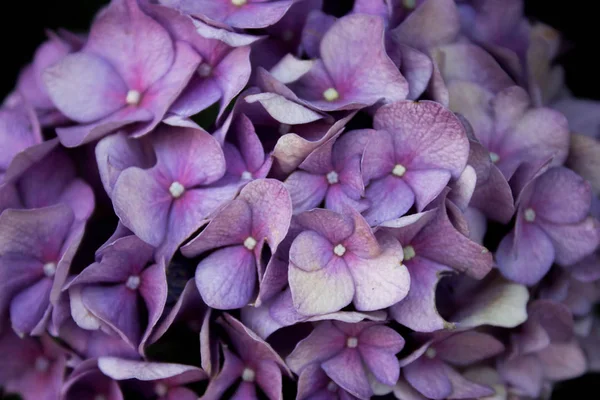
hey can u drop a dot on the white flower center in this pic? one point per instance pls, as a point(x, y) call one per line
point(42, 364)
point(529, 215)
point(250, 243)
point(332, 386)
point(430, 353)
point(399, 170)
point(494, 157)
point(49, 269)
point(248, 375)
point(161, 389)
point(133, 98)
point(352, 342)
point(409, 252)
point(247, 175)
point(287, 35)
point(333, 178)
point(204, 70)
point(410, 4)
point(331, 94)
point(100, 397)
point(133, 282)
point(239, 3)
point(284, 129)
point(339, 250)
point(176, 189)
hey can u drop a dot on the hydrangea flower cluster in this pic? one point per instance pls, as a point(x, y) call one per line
point(243, 199)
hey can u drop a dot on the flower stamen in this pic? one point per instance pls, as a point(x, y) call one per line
point(133, 282)
point(352, 342)
point(431, 353)
point(339, 250)
point(529, 215)
point(133, 98)
point(248, 375)
point(246, 175)
point(250, 243)
point(399, 170)
point(49, 269)
point(331, 94)
point(409, 253)
point(333, 177)
point(176, 189)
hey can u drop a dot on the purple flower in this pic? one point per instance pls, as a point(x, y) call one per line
point(337, 260)
point(543, 349)
point(584, 153)
point(340, 79)
point(115, 153)
point(94, 343)
point(21, 142)
point(127, 76)
point(317, 24)
point(528, 373)
point(581, 113)
point(30, 86)
point(88, 382)
point(32, 368)
point(244, 153)
point(426, 239)
point(417, 149)
point(491, 195)
point(586, 270)
point(223, 70)
point(165, 204)
point(227, 278)
point(50, 181)
point(118, 289)
point(502, 28)
point(547, 322)
point(296, 143)
point(430, 369)
point(465, 62)
point(590, 343)
point(286, 36)
point(349, 353)
point(507, 126)
point(432, 23)
point(279, 312)
point(36, 250)
point(234, 13)
point(166, 381)
point(558, 233)
point(313, 383)
point(250, 363)
point(579, 295)
point(331, 173)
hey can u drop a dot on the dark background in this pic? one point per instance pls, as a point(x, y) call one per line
point(23, 24)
